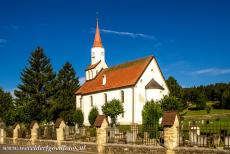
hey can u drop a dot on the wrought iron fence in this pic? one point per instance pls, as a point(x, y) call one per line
point(85, 134)
point(47, 132)
point(9, 132)
point(24, 133)
point(142, 134)
point(205, 133)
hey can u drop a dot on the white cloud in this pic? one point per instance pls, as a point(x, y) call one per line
point(81, 80)
point(212, 71)
point(129, 34)
point(2, 41)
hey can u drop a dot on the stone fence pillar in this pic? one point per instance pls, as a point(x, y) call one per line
point(60, 126)
point(101, 125)
point(2, 131)
point(170, 123)
point(16, 128)
point(34, 131)
point(134, 131)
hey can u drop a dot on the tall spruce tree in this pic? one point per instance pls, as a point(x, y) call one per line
point(36, 90)
point(67, 84)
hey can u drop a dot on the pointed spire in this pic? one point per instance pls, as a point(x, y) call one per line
point(97, 39)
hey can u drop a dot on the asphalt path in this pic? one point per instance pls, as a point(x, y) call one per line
point(44, 152)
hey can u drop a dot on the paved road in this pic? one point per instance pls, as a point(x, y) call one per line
point(42, 152)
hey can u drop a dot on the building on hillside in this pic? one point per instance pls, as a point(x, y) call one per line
point(133, 83)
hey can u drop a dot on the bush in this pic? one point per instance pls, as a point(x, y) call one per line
point(78, 117)
point(93, 132)
point(93, 115)
point(151, 113)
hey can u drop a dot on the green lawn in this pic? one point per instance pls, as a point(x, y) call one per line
point(204, 112)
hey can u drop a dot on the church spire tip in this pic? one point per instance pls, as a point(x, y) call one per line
point(97, 39)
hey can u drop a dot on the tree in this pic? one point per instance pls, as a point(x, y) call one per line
point(201, 101)
point(112, 109)
point(225, 100)
point(174, 88)
point(93, 115)
point(151, 113)
point(64, 99)
point(6, 107)
point(170, 103)
point(78, 117)
point(36, 90)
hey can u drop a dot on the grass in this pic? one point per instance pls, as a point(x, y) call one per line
point(204, 112)
point(214, 122)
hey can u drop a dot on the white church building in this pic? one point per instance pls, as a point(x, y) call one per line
point(133, 83)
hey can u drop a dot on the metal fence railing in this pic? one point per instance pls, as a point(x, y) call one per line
point(142, 134)
point(86, 134)
point(47, 132)
point(205, 133)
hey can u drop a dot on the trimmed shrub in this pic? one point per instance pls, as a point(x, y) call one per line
point(93, 115)
point(78, 117)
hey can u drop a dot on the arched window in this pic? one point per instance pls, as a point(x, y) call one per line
point(122, 96)
point(105, 96)
point(81, 103)
point(91, 101)
point(122, 100)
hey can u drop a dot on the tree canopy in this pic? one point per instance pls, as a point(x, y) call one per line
point(112, 109)
point(151, 113)
point(36, 88)
point(174, 88)
point(64, 99)
point(7, 108)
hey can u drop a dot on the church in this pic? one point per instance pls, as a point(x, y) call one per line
point(133, 83)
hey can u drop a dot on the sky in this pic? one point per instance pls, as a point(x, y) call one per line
point(189, 38)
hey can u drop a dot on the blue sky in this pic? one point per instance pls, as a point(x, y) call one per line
point(189, 38)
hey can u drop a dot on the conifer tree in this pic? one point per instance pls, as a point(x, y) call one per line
point(67, 84)
point(6, 107)
point(36, 89)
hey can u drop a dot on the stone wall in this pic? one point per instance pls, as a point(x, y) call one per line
point(89, 146)
point(199, 150)
point(133, 149)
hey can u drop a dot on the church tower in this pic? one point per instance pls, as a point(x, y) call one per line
point(97, 51)
point(97, 57)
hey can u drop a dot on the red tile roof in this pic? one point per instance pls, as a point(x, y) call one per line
point(119, 76)
point(58, 122)
point(92, 66)
point(169, 118)
point(99, 120)
point(32, 124)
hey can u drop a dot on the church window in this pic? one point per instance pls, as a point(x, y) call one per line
point(93, 54)
point(81, 103)
point(122, 100)
point(89, 74)
point(91, 101)
point(105, 95)
point(122, 96)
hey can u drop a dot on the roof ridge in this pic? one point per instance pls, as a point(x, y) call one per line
point(128, 62)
